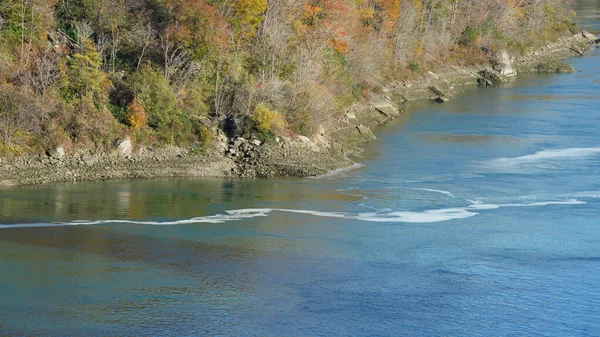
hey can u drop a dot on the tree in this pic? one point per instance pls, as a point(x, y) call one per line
point(84, 77)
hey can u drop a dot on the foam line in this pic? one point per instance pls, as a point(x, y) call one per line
point(428, 216)
point(540, 156)
point(334, 173)
point(587, 194)
point(478, 205)
point(233, 215)
point(432, 190)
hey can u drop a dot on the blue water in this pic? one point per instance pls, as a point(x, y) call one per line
point(477, 217)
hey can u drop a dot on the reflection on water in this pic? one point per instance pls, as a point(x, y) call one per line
point(477, 217)
point(458, 138)
point(138, 200)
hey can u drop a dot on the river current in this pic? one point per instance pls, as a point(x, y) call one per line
point(477, 217)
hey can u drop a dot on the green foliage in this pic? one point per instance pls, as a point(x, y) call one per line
point(248, 16)
point(205, 136)
point(10, 35)
point(157, 97)
point(84, 78)
point(470, 35)
point(164, 69)
point(414, 66)
point(358, 90)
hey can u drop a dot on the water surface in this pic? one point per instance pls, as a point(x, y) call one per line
point(478, 217)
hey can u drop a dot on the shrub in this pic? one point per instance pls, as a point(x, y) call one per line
point(136, 114)
point(205, 135)
point(156, 96)
point(267, 120)
point(84, 77)
point(414, 66)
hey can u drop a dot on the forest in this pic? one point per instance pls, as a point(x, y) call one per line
point(83, 73)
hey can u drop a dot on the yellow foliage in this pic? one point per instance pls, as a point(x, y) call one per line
point(419, 49)
point(267, 120)
point(519, 10)
point(136, 114)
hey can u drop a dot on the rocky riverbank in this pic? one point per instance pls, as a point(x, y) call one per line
point(300, 156)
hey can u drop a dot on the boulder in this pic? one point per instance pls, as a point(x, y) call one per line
point(577, 51)
point(441, 97)
point(365, 131)
point(57, 152)
point(124, 147)
point(304, 139)
point(384, 105)
point(554, 67)
point(7, 183)
point(505, 69)
point(89, 159)
point(589, 36)
point(491, 77)
point(504, 65)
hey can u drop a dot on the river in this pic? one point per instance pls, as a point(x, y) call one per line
point(477, 217)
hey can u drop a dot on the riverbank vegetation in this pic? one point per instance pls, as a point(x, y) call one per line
point(83, 73)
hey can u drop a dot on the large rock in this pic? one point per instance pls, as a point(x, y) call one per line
point(441, 97)
point(366, 132)
point(504, 65)
point(89, 159)
point(7, 183)
point(57, 152)
point(384, 105)
point(554, 67)
point(505, 69)
point(304, 139)
point(490, 77)
point(589, 36)
point(124, 147)
point(221, 140)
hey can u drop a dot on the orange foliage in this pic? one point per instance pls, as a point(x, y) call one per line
point(418, 49)
point(520, 11)
point(339, 46)
point(325, 21)
point(136, 114)
point(199, 26)
point(380, 15)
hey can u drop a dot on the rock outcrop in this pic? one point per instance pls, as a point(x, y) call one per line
point(504, 65)
point(555, 67)
point(124, 147)
point(366, 132)
point(384, 105)
point(589, 36)
point(441, 97)
point(57, 153)
point(490, 77)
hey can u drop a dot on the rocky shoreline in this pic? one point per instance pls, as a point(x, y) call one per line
point(300, 156)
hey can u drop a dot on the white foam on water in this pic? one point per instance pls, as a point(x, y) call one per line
point(536, 160)
point(433, 190)
point(586, 194)
point(427, 216)
point(233, 215)
point(478, 205)
point(334, 173)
